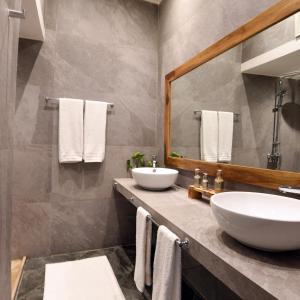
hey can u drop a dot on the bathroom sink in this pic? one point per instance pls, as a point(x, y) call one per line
point(154, 179)
point(262, 221)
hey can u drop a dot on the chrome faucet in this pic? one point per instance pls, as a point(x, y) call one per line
point(288, 189)
point(154, 163)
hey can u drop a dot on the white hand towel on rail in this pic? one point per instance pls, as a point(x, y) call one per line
point(225, 136)
point(167, 266)
point(94, 131)
point(70, 130)
point(209, 135)
point(142, 271)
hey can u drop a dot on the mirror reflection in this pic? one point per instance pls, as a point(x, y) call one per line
point(243, 107)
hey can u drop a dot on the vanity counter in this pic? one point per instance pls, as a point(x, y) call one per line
point(251, 274)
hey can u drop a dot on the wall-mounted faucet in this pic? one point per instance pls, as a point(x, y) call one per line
point(288, 189)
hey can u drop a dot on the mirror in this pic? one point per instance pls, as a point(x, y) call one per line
point(243, 106)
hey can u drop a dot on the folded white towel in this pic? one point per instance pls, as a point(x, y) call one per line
point(70, 130)
point(225, 136)
point(167, 267)
point(209, 135)
point(85, 279)
point(94, 131)
point(142, 271)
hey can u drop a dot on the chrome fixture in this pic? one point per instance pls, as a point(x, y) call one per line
point(181, 243)
point(274, 157)
point(288, 189)
point(19, 14)
point(154, 162)
point(236, 116)
point(47, 99)
point(115, 186)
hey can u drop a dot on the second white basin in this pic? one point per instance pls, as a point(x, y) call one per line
point(263, 221)
point(160, 179)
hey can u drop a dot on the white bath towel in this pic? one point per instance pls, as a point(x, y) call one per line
point(94, 131)
point(70, 130)
point(142, 271)
point(209, 135)
point(225, 136)
point(167, 267)
point(86, 279)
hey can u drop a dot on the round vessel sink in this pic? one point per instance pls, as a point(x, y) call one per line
point(262, 221)
point(154, 179)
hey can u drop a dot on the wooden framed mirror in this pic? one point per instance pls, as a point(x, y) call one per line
point(254, 58)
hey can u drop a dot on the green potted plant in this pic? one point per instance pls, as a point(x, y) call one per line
point(137, 160)
point(176, 154)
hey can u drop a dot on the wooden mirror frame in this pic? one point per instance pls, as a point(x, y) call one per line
point(266, 178)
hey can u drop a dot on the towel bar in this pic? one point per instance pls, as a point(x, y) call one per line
point(181, 243)
point(236, 116)
point(47, 99)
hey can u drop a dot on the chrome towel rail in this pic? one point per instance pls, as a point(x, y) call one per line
point(47, 99)
point(181, 243)
point(236, 116)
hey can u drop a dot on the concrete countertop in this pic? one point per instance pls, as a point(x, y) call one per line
point(250, 273)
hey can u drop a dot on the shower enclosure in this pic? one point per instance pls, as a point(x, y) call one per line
point(9, 32)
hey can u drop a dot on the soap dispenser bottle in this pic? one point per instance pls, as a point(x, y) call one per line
point(197, 178)
point(219, 181)
point(205, 181)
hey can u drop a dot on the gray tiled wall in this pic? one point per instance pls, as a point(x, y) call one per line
point(269, 39)
point(96, 50)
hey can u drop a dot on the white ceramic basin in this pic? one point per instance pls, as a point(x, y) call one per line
point(161, 179)
point(262, 221)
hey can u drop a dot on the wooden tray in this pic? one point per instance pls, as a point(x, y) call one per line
point(200, 193)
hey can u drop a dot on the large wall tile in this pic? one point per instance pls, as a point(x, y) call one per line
point(34, 123)
point(33, 120)
point(241, 11)
point(91, 224)
point(35, 61)
point(123, 23)
point(50, 15)
point(30, 229)
point(32, 174)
